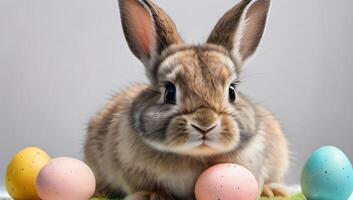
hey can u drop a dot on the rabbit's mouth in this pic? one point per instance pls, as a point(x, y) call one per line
point(213, 139)
point(205, 147)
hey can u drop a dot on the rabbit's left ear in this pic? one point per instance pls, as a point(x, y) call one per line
point(241, 28)
point(147, 28)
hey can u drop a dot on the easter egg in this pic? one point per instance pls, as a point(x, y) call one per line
point(327, 175)
point(227, 182)
point(66, 178)
point(22, 172)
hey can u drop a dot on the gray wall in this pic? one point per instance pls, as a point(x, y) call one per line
point(61, 60)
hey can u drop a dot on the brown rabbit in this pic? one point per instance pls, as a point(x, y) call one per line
point(153, 140)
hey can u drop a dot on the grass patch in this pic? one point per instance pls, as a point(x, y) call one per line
point(295, 197)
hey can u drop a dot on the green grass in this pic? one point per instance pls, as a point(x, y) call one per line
point(295, 197)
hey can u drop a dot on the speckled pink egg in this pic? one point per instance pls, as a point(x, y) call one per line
point(65, 179)
point(226, 182)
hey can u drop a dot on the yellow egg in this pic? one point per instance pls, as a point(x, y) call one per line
point(22, 173)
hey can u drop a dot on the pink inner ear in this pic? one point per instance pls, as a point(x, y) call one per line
point(141, 27)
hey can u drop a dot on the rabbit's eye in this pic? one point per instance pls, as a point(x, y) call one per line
point(232, 93)
point(170, 93)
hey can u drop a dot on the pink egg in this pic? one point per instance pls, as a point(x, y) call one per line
point(226, 182)
point(65, 179)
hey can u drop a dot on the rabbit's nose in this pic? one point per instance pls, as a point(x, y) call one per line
point(204, 118)
point(204, 131)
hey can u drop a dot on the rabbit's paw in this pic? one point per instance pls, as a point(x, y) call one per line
point(270, 190)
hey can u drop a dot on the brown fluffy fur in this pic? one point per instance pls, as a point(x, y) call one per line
point(140, 146)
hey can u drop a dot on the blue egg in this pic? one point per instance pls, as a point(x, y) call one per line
point(327, 175)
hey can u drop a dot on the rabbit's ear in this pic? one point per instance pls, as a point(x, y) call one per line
point(241, 28)
point(147, 28)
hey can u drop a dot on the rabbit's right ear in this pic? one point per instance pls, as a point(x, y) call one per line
point(147, 28)
point(241, 28)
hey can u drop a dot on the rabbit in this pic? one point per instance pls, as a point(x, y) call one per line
point(151, 141)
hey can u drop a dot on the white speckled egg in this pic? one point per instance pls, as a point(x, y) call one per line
point(65, 179)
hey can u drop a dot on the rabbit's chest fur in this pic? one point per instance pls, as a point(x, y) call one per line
point(180, 183)
point(176, 174)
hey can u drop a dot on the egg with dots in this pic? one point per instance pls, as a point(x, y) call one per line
point(327, 175)
point(226, 181)
point(22, 172)
point(66, 178)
